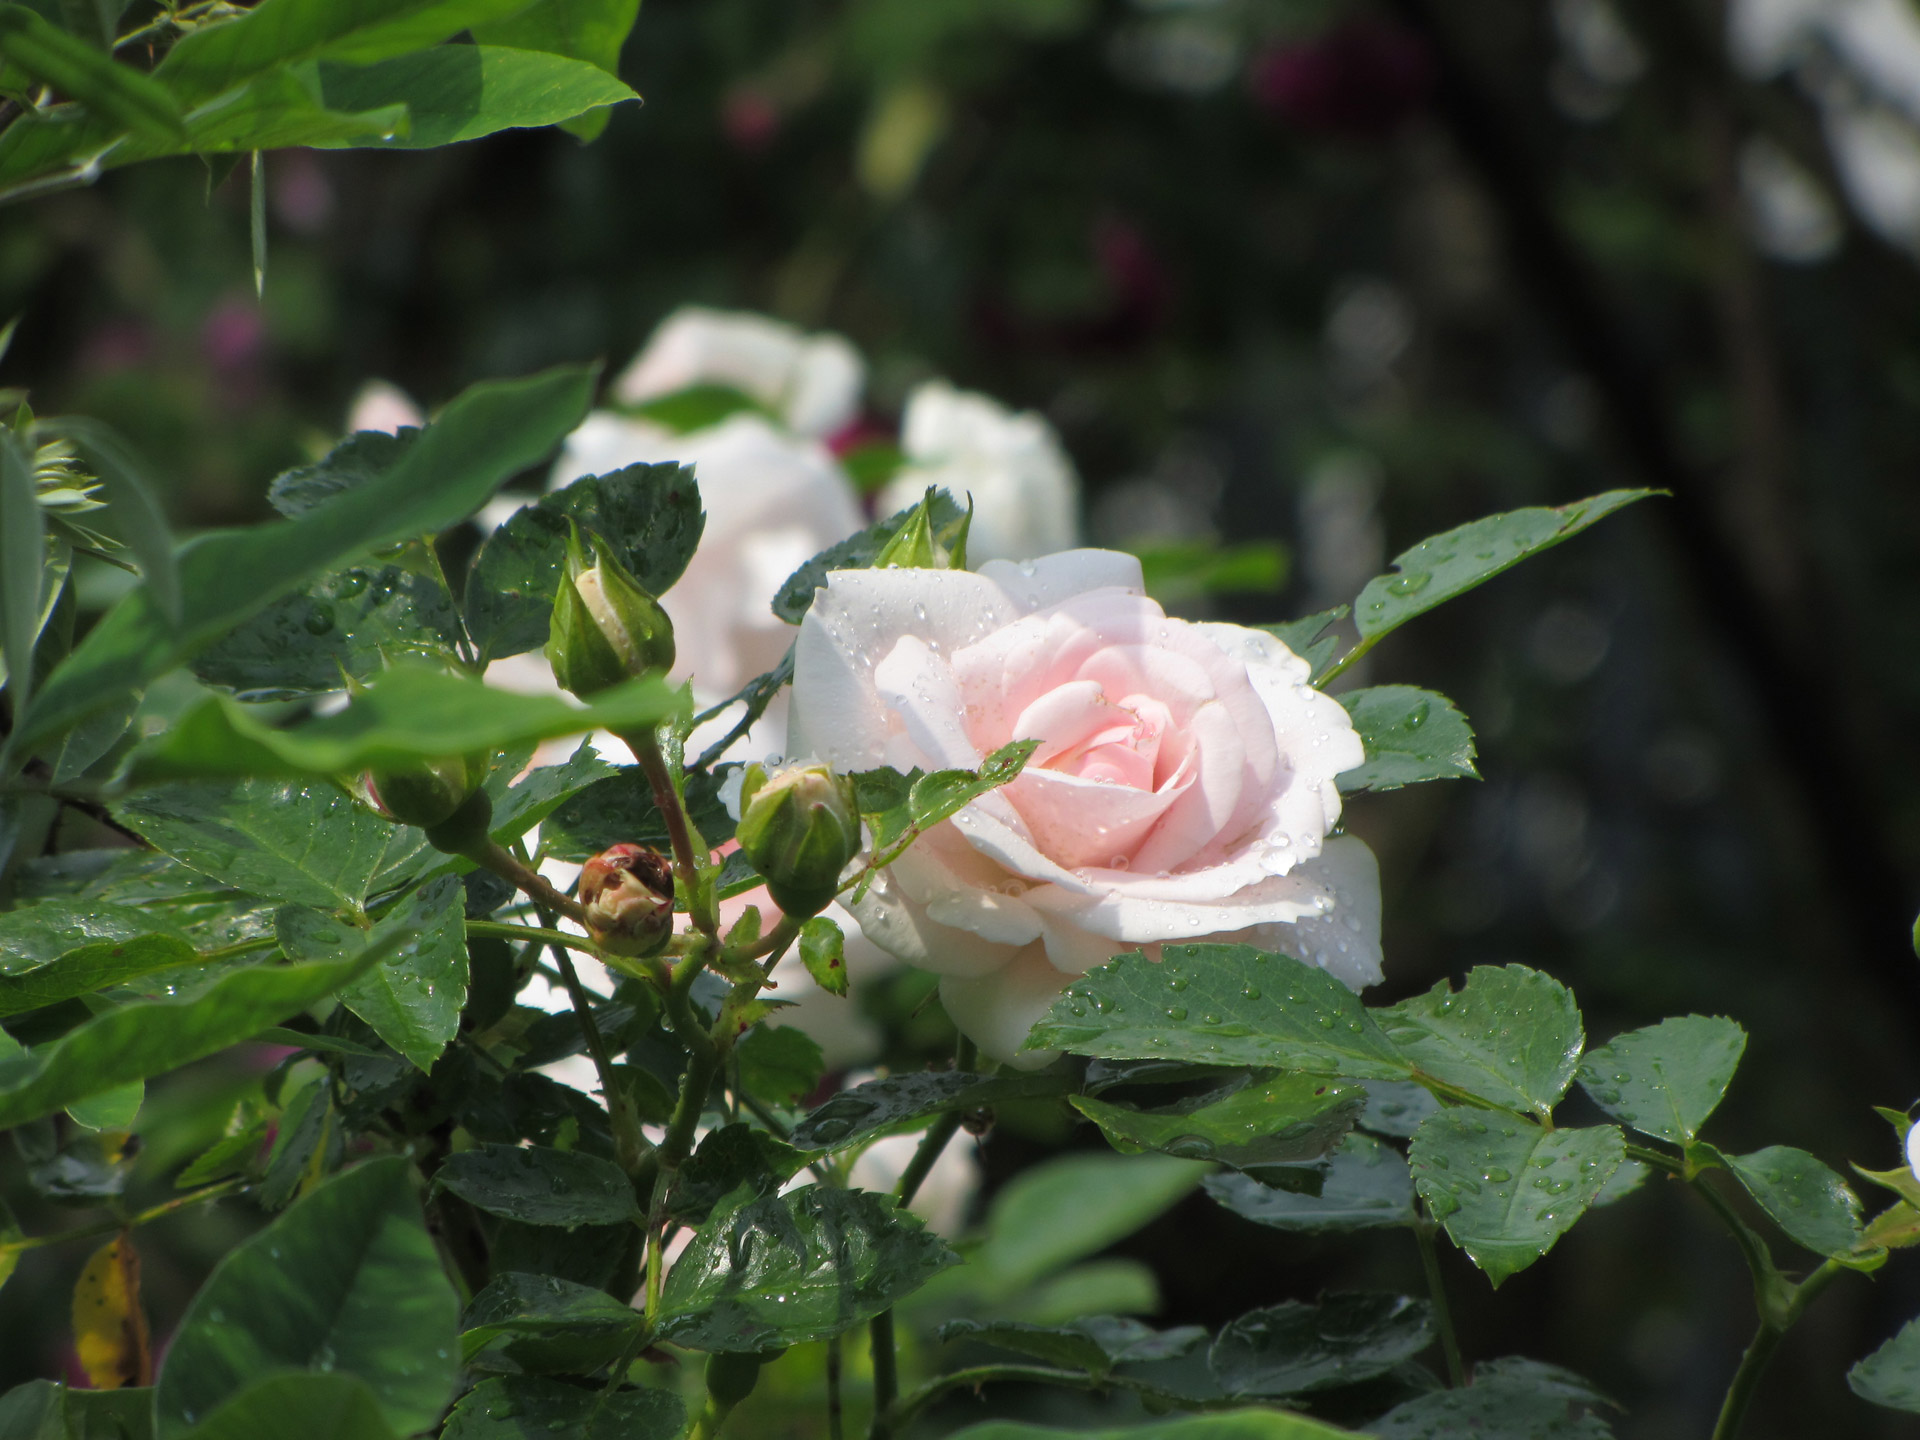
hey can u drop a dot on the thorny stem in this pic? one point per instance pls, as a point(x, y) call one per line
point(509, 867)
point(630, 1144)
point(1442, 1312)
point(645, 745)
point(108, 1227)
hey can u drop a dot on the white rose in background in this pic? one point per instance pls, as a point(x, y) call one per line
point(383, 406)
point(1026, 496)
point(773, 502)
point(812, 382)
point(1183, 788)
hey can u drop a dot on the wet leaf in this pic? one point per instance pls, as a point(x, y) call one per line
point(1095, 1344)
point(89, 968)
point(1518, 1398)
point(1665, 1080)
point(779, 1063)
point(802, 1266)
point(731, 1157)
point(1293, 1349)
point(1367, 1185)
point(1220, 1005)
point(823, 950)
point(299, 1407)
point(649, 514)
point(1507, 1189)
point(413, 999)
point(1284, 1120)
point(858, 553)
point(1306, 637)
point(524, 1408)
point(539, 1186)
point(543, 1325)
point(1510, 1035)
point(1436, 570)
point(1234, 1425)
point(1410, 735)
point(905, 1102)
point(347, 1281)
point(1805, 1198)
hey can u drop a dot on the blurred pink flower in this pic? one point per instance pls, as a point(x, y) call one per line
point(1362, 80)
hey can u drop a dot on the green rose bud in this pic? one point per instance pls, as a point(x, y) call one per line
point(799, 826)
point(606, 628)
point(427, 793)
point(922, 543)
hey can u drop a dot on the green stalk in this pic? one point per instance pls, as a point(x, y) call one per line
point(109, 1227)
point(1442, 1312)
point(886, 1377)
point(1766, 1340)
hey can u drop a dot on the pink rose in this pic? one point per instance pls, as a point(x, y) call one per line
point(1183, 788)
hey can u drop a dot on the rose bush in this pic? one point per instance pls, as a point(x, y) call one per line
point(1183, 788)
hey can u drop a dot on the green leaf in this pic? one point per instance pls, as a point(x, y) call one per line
point(1665, 1080)
point(789, 1268)
point(35, 936)
point(1810, 1202)
point(649, 515)
point(1890, 1376)
point(1367, 1185)
point(1514, 1398)
point(728, 1158)
point(411, 713)
point(621, 809)
point(1396, 1107)
point(538, 1186)
point(360, 459)
point(1293, 1349)
point(1510, 1035)
point(1230, 1425)
point(823, 950)
point(1505, 1188)
point(462, 92)
point(351, 623)
point(347, 1282)
point(42, 1410)
point(214, 58)
point(545, 789)
point(858, 552)
point(591, 30)
point(1220, 1005)
point(90, 968)
point(299, 1407)
point(906, 1102)
point(306, 844)
point(1281, 1121)
point(1074, 1206)
point(1411, 735)
point(1095, 1344)
point(1436, 570)
point(114, 1109)
point(490, 432)
point(23, 562)
point(544, 1325)
point(81, 72)
point(779, 1063)
point(1304, 637)
point(133, 1042)
point(527, 1408)
point(413, 1000)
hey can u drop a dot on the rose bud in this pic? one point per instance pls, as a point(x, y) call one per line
point(799, 826)
point(628, 894)
point(427, 793)
point(606, 628)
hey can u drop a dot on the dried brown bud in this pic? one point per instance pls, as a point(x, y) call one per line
point(627, 891)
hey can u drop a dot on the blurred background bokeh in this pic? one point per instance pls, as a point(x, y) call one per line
point(1327, 273)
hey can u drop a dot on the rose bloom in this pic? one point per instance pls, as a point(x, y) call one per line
point(812, 382)
point(1183, 788)
point(1026, 497)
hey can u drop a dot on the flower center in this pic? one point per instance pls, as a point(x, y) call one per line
point(1124, 752)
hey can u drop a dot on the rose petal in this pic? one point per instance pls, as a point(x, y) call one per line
point(1344, 942)
point(998, 1011)
point(1034, 584)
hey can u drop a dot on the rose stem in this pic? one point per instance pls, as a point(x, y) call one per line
point(630, 1144)
point(1442, 1313)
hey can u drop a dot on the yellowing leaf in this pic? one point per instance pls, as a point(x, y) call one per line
point(109, 1328)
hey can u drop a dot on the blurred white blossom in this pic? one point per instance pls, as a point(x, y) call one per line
point(1026, 495)
point(812, 382)
point(385, 407)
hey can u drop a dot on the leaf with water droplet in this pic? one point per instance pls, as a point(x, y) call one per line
point(1503, 1227)
point(1282, 1121)
point(516, 1407)
point(539, 1186)
point(1366, 1185)
point(1410, 735)
point(1510, 1035)
point(1665, 1080)
point(1804, 1197)
point(1296, 1349)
